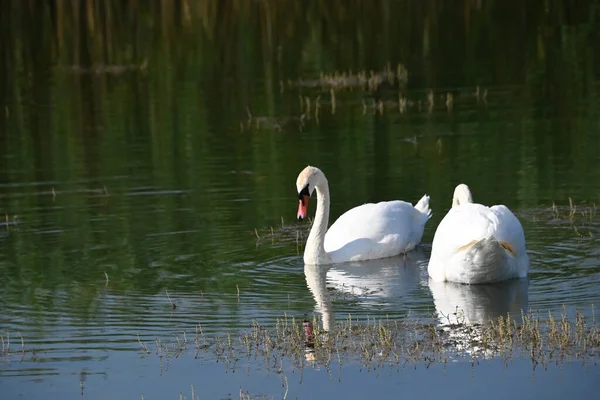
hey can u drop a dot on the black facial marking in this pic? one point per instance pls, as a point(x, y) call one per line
point(303, 192)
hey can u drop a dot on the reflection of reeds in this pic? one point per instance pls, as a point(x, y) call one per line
point(375, 105)
point(317, 108)
point(449, 101)
point(112, 36)
point(349, 81)
point(332, 93)
point(105, 69)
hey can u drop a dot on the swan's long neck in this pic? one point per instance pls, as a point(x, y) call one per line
point(314, 252)
point(462, 195)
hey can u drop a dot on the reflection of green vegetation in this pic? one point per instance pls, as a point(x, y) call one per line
point(145, 98)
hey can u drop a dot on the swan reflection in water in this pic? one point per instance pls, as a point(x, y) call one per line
point(462, 310)
point(370, 281)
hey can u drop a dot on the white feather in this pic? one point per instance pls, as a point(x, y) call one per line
point(370, 231)
point(478, 244)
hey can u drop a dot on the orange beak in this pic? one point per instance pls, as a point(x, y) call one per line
point(303, 207)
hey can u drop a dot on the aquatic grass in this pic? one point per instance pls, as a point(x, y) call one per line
point(143, 345)
point(244, 395)
point(173, 305)
point(5, 351)
point(290, 344)
point(5, 346)
point(285, 234)
point(199, 347)
point(378, 342)
point(578, 218)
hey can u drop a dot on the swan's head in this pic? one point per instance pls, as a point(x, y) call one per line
point(309, 178)
point(462, 195)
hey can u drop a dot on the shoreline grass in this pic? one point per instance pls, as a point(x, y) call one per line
point(379, 342)
point(290, 344)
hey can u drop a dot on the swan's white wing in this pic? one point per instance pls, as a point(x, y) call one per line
point(462, 225)
point(509, 229)
point(372, 230)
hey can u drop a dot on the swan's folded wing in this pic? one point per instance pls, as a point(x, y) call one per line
point(509, 228)
point(376, 222)
point(462, 226)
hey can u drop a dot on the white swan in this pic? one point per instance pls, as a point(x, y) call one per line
point(477, 244)
point(366, 232)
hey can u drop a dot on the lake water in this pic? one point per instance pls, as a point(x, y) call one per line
point(147, 189)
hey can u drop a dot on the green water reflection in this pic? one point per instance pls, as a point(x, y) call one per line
point(125, 146)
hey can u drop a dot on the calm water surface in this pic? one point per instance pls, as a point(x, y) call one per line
point(123, 194)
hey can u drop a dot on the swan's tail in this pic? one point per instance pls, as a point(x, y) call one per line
point(423, 206)
point(487, 260)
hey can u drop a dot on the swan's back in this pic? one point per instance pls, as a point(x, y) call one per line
point(462, 224)
point(476, 244)
point(510, 229)
point(376, 230)
point(471, 221)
